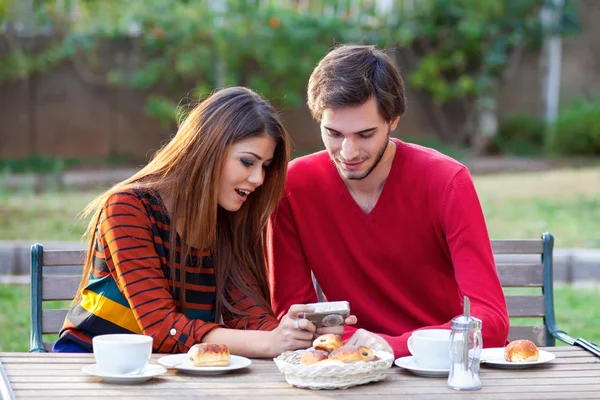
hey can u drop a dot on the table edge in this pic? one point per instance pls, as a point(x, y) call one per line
point(6, 391)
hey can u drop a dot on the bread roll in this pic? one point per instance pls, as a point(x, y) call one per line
point(312, 356)
point(328, 342)
point(352, 354)
point(521, 351)
point(209, 355)
point(330, 362)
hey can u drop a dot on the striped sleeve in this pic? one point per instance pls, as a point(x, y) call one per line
point(259, 318)
point(127, 235)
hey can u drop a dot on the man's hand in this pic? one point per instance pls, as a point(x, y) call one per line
point(363, 337)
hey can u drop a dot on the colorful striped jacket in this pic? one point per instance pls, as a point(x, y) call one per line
point(130, 289)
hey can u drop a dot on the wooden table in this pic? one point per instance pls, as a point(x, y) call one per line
point(574, 374)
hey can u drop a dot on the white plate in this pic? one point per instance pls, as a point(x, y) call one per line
point(149, 372)
point(410, 364)
point(182, 363)
point(495, 357)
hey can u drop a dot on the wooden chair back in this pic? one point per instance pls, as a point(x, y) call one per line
point(55, 275)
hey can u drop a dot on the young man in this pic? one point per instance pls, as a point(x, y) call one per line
point(394, 228)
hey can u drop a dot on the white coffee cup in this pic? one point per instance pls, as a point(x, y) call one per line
point(431, 348)
point(119, 354)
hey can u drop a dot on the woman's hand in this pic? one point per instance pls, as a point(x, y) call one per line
point(292, 333)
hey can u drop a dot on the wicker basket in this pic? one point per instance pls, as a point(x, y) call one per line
point(332, 376)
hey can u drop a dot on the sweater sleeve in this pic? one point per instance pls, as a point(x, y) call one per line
point(471, 251)
point(252, 316)
point(468, 242)
point(290, 275)
point(126, 233)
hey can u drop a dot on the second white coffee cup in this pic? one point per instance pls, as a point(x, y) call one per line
point(431, 348)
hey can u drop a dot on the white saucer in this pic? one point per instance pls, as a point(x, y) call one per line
point(182, 363)
point(410, 364)
point(149, 372)
point(495, 357)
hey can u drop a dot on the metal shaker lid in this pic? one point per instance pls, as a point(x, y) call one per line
point(463, 322)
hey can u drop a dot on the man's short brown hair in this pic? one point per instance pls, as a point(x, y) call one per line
point(350, 75)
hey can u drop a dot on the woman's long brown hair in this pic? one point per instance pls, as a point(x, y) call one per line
point(188, 169)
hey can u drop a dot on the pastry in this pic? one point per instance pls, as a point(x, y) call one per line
point(521, 351)
point(312, 356)
point(209, 355)
point(352, 354)
point(330, 362)
point(328, 342)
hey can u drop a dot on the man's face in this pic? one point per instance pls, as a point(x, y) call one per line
point(356, 138)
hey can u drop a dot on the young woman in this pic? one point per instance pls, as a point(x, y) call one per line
point(178, 251)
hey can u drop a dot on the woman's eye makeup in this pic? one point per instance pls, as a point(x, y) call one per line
point(247, 162)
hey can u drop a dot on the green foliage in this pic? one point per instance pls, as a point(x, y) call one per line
point(458, 52)
point(37, 164)
point(464, 46)
point(577, 129)
point(40, 165)
point(176, 49)
point(519, 135)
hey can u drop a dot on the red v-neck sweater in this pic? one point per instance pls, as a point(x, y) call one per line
point(405, 265)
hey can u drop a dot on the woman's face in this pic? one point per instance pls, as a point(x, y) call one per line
point(244, 170)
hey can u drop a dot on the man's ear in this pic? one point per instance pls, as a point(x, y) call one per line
point(394, 123)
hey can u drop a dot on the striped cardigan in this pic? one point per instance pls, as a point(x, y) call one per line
point(130, 289)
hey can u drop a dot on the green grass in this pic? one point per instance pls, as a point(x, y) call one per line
point(576, 312)
point(565, 202)
point(15, 317)
point(574, 307)
point(573, 221)
point(43, 216)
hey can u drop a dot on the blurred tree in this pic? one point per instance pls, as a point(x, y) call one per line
point(459, 51)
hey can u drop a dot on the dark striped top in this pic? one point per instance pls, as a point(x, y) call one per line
point(130, 289)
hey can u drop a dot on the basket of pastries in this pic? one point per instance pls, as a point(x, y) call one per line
point(331, 365)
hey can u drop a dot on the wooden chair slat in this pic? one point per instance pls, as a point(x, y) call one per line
point(56, 258)
point(52, 320)
point(517, 246)
point(60, 287)
point(525, 306)
point(521, 275)
point(537, 334)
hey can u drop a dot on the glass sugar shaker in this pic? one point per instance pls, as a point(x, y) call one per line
point(466, 344)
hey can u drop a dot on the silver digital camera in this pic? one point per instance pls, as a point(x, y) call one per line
point(328, 314)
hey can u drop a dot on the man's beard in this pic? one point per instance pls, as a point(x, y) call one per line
point(375, 164)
